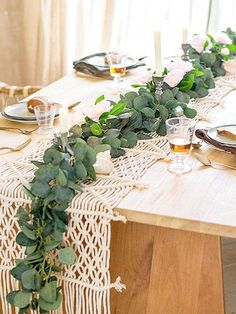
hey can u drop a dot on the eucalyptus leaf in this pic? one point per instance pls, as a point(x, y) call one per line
point(18, 270)
point(11, 296)
point(80, 170)
point(49, 292)
point(53, 156)
point(23, 240)
point(67, 256)
point(46, 306)
point(22, 299)
point(148, 112)
point(31, 280)
point(190, 113)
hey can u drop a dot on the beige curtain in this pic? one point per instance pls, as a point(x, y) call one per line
point(32, 49)
point(40, 39)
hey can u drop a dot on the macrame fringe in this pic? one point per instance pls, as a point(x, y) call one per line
point(8, 284)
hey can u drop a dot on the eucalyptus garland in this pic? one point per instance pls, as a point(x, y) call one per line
point(69, 161)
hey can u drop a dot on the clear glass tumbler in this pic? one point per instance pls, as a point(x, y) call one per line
point(45, 114)
point(117, 65)
point(180, 131)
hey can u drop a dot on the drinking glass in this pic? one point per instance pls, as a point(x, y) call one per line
point(45, 114)
point(117, 63)
point(180, 132)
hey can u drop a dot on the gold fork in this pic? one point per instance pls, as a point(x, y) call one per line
point(26, 132)
point(16, 148)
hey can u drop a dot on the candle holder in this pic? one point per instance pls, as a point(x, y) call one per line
point(185, 48)
point(158, 81)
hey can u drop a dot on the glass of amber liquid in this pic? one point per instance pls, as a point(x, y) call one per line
point(117, 62)
point(180, 133)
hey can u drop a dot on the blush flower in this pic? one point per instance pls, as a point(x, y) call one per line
point(198, 42)
point(184, 66)
point(96, 111)
point(230, 66)
point(223, 38)
point(174, 77)
point(225, 51)
point(145, 78)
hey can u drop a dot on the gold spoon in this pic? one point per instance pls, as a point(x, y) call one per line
point(16, 148)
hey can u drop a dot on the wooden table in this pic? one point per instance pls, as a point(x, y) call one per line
point(169, 252)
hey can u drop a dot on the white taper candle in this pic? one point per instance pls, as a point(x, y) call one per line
point(158, 54)
point(185, 35)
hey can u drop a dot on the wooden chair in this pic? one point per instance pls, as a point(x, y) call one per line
point(13, 94)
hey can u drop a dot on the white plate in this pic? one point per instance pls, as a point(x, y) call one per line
point(19, 111)
point(18, 120)
point(212, 133)
point(99, 62)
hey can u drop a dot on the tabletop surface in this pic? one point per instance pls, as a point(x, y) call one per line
point(203, 200)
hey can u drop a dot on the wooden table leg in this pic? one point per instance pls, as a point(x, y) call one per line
point(166, 271)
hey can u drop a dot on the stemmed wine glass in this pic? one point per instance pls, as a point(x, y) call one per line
point(117, 62)
point(180, 132)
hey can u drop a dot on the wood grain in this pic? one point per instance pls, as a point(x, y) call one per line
point(165, 271)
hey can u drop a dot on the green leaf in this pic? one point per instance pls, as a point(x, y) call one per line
point(46, 173)
point(113, 132)
point(80, 170)
point(28, 232)
point(187, 83)
point(62, 194)
point(49, 292)
point(40, 189)
point(80, 150)
point(166, 96)
point(76, 130)
point(18, 270)
point(183, 97)
point(201, 91)
point(90, 155)
point(96, 129)
point(102, 148)
point(143, 136)
point(21, 213)
point(140, 102)
point(162, 129)
point(61, 178)
point(50, 306)
point(148, 112)
point(22, 299)
point(190, 113)
point(117, 109)
point(208, 58)
point(53, 156)
point(163, 112)
point(23, 240)
point(99, 99)
point(131, 137)
point(51, 245)
point(31, 280)
point(11, 295)
point(67, 256)
point(117, 152)
point(112, 141)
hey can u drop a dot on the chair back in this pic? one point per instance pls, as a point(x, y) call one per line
point(13, 94)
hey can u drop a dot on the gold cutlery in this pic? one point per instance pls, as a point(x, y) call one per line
point(17, 148)
point(69, 106)
point(207, 162)
point(26, 132)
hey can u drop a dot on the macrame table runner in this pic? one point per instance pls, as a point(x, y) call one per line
point(86, 284)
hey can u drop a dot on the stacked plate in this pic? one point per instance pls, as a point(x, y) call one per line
point(19, 113)
point(222, 137)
